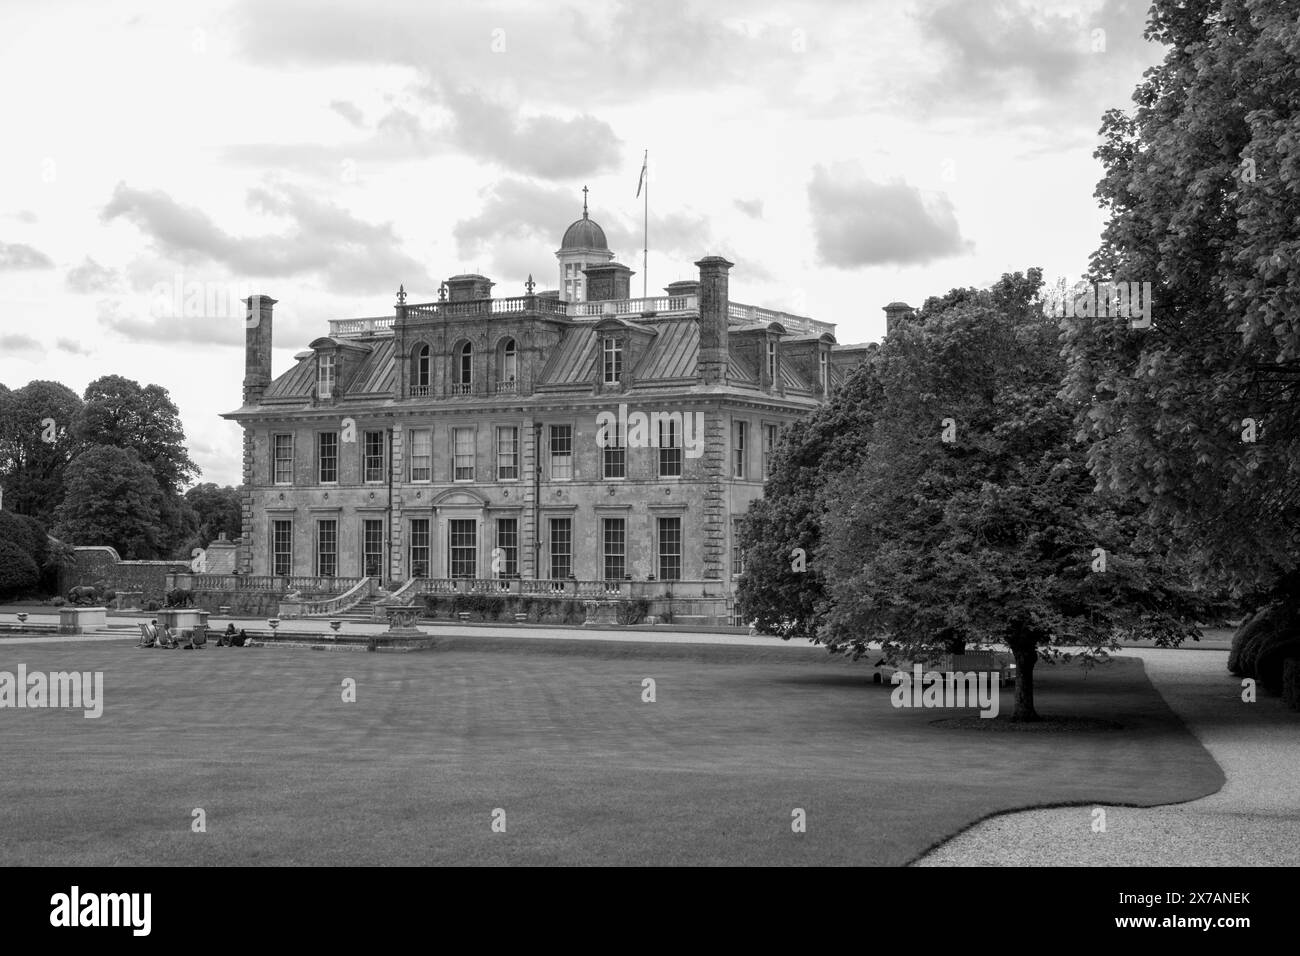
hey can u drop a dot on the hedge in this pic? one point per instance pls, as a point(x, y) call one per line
point(19, 573)
point(539, 610)
point(1291, 682)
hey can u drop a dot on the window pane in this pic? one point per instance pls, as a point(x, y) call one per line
point(328, 457)
point(325, 376)
point(372, 536)
point(615, 548)
point(670, 451)
point(508, 548)
point(507, 453)
point(283, 457)
point(769, 445)
point(740, 450)
point(463, 541)
point(614, 455)
point(327, 548)
point(420, 548)
point(421, 455)
point(282, 548)
point(561, 547)
point(670, 549)
point(374, 454)
point(562, 451)
point(464, 454)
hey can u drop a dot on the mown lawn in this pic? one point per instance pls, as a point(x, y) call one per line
point(555, 734)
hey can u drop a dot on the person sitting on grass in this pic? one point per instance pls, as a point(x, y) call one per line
point(227, 638)
point(166, 638)
point(148, 635)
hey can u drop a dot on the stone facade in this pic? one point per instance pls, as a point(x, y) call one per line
point(479, 436)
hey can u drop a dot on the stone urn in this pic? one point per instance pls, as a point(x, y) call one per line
point(335, 625)
point(274, 622)
point(22, 618)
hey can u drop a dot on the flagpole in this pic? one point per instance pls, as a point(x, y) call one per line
point(645, 251)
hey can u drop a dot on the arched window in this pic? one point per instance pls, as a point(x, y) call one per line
point(421, 365)
point(509, 370)
point(464, 368)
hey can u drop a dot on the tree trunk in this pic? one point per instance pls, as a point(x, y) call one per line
point(1026, 656)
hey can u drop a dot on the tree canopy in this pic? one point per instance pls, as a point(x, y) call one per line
point(1202, 188)
point(113, 499)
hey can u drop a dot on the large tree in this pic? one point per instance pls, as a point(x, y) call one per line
point(218, 509)
point(1202, 187)
point(113, 499)
point(37, 442)
point(970, 517)
point(782, 587)
point(122, 413)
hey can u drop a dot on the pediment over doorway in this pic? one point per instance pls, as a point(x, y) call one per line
point(459, 498)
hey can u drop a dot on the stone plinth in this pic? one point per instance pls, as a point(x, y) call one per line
point(79, 620)
point(180, 618)
point(401, 620)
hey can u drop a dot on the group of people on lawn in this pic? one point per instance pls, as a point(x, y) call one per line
point(191, 639)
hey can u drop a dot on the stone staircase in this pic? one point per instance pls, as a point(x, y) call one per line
point(364, 611)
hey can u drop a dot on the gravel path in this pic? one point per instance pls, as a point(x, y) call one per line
point(1253, 821)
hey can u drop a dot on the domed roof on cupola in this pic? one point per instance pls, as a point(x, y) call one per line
point(585, 233)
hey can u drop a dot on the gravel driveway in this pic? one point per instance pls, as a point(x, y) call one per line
point(1253, 821)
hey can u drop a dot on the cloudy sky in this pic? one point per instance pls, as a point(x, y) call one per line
point(843, 153)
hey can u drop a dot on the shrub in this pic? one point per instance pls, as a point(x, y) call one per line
point(151, 606)
point(1291, 682)
point(493, 605)
point(478, 604)
point(573, 612)
point(1268, 621)
point(1245, 633)
point(1272, 651)
point(58, 602)
point(633, 611)
point(460, 603)
point(27, 534)
point(432, 604)
point(18, 571)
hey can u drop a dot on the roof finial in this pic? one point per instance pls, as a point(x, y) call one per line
point(401, 294)
point(584, 202)
point(530, 285)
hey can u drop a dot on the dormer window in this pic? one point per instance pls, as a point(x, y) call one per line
point(771, 361)
point(324, 376)
point(612, 360)
point(824, 373)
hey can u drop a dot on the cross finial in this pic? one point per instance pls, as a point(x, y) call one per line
point(401, 294)
point(530, 284)
point(584, 202)
point(442, 292)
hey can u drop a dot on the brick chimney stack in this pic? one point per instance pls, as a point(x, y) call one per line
point(713, 319)
point(257, 347)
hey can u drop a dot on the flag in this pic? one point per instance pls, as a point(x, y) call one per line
point(644, 163)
